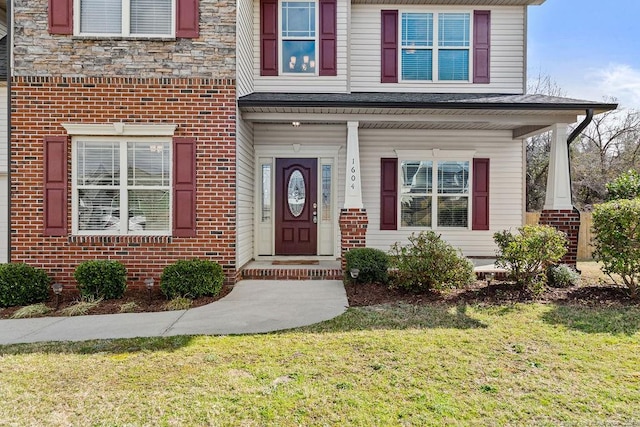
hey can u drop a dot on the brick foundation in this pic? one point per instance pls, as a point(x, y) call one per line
point(567, 221)
point(202, 108)
point(353, 231)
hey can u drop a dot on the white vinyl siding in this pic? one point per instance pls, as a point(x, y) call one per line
point(244, 191)
point(506, 181)
point(507, 51)
point(303, 83)
point(244, 48)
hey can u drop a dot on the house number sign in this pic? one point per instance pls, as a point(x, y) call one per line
point(353, 174)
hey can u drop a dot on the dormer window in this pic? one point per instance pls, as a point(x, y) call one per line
point(299, 37)
point(143, 18)
point(435, 47)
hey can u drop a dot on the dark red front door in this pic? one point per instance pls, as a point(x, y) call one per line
point(296, 206)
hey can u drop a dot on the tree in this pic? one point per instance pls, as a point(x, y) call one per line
point(609, 146)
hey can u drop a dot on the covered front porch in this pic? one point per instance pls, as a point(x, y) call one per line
point(317, 163)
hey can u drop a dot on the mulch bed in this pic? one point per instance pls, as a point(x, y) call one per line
point(495, 294)
point(141, 298)
point(373, 294)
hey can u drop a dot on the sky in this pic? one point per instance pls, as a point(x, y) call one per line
point(590, 48)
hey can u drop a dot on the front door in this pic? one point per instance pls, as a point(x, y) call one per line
point(296, 207)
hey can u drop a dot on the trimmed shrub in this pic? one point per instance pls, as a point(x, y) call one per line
point(21, 284)
point(527, 254)
point(430, 263)
point(101, 279)
point(616, 226)
point(626, 186)
point(372, 263)
point(191, 279)
point(562, 276)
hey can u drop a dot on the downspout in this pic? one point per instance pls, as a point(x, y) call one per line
point(576, 132)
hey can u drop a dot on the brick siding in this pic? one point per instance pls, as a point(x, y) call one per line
point(353, 231)
point(202, 108)
point(567, 221)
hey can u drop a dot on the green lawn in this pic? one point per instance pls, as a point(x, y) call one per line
point(387, 365)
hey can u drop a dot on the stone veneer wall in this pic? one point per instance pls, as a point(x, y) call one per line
point(211, 55)
point(353, 231)
point(202, 108)
point(567, 221)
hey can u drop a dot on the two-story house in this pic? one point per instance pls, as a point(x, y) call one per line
point(363, 121)
point(151, 131)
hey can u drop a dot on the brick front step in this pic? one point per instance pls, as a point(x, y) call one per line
point(292, 274)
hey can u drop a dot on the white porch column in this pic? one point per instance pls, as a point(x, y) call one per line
point(558, 182)
point(353, 188)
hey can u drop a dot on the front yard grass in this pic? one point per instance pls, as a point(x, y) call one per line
point(396, 364)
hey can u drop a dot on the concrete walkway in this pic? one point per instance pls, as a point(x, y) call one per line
point(253, 306)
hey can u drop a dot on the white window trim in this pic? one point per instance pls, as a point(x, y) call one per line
point(123, 186)
point(435, 48)
point(120, 129)
point(126, 25)
point(281, 39)
point(436, 155)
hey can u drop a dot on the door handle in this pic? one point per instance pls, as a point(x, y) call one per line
point(315, 216)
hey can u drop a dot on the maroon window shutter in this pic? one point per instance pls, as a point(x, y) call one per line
point(481, 46)
point(389, 52)
point(389, 194)
point(61, 16)
point(268, 37)
point(187, 19)
point(184, 187)
point(480, 196)
point(55, 186)
point(328, 39)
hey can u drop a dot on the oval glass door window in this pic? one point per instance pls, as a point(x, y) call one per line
point(296, 193)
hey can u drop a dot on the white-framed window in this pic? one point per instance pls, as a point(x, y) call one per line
point(434, 193)
point(298, 41)
point(435, 46)
point(139, 18)
point(121, 185)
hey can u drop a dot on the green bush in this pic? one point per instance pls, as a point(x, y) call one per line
point(191, 279)
point(626, 186)
point(527, 255)
point(616, 226)
point(372, 263)
point(562, 276)
point(101, 279)
point(21, 284)
point(430, 263)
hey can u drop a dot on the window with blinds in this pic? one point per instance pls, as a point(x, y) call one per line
point(434, 193)
point(108, 203)
point(435, 42)
point(127, 17)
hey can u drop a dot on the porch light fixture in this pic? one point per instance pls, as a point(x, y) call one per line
point(354, 272)
point(57, 290)
point(489, 278)
point(148, 283)
point(295, 124)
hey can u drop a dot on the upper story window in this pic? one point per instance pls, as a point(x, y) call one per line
point(435, 46)
point(145, 18)
point(299, 20)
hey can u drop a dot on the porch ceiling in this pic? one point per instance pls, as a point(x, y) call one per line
point(522, 114)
